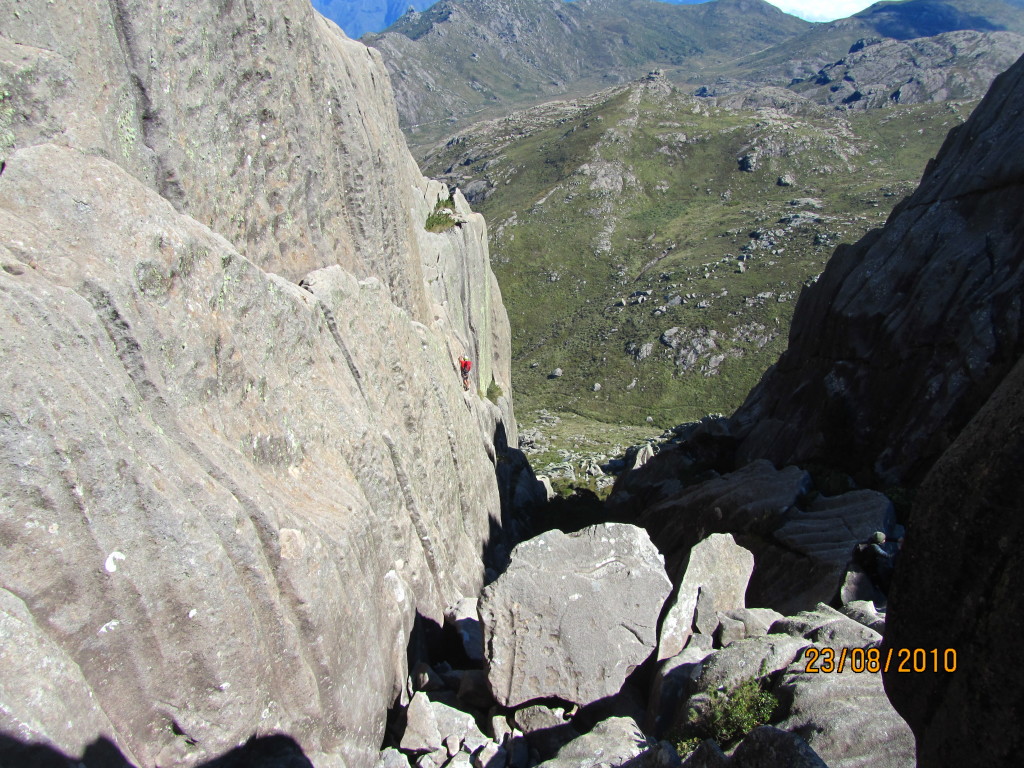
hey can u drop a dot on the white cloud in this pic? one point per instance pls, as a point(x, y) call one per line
point(821, 10)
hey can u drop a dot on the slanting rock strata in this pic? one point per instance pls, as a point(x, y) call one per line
point(226, 496)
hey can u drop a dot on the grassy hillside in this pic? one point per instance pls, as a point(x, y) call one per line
point(651, 244)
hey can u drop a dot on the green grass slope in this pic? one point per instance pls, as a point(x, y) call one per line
point(635, 254)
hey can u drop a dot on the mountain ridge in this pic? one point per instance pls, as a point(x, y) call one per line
point(494, 53)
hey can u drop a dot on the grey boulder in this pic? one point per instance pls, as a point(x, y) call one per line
point(768, 747)
point(847, 718)
point(573, 615)
point(717, 564)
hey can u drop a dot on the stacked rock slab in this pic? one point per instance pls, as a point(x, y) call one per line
point(801, 542)
point(225, 497)
point(716, 567)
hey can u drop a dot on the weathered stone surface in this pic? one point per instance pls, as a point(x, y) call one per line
point(707, 755)
point(929, 303)
point(660, 755)
point(753, 657)
point(770, 747)
point(858, 588)
point(421, 731)
point(538, 717)
point(672, 683)
point(756, 621)
point(392, 758)
point(431, 725)
point(826, 533)
point(801, 543)
point(846, 718)
point(960, 584)
point(729, 631)
point(463, 616)
point(864, 612)
point(717, 564)
point(573, 615)
point(611, 742)
point(225, 499)
point(490, 755)
point(827, 626)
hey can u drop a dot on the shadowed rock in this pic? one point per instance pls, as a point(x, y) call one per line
point(909, 331)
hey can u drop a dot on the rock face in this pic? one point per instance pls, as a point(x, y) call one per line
point(846, 718)
point(960, 586)
point(931, 302)
point(226, 496)
point(573, 615)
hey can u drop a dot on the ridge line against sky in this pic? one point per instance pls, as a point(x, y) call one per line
point(360, 17)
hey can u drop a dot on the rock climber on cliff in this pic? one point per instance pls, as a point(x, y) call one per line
point(465, 366)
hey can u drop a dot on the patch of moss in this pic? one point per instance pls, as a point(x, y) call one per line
point(442, 218)
point(729, 716)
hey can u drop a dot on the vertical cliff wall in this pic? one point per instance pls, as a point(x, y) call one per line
point(224, 495)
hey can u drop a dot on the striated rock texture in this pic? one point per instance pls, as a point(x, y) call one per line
point(225, 497)
point(801, 541)
point(573, 615)
point(908, 332)
point(960, 586)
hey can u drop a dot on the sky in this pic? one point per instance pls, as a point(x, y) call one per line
point(822, 10)
point(359, 16)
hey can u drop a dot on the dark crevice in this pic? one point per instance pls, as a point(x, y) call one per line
point(164, 178)
point(332, 326)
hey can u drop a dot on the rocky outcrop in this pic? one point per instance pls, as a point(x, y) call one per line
point(907, 332)
point(845, 717)
point(573, 615)
point(459, 57)
point(801, 541)
point(717, 571)
point(877, 73)
point(227, 497)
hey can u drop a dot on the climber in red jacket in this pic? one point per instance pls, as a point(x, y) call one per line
point(464, 367)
